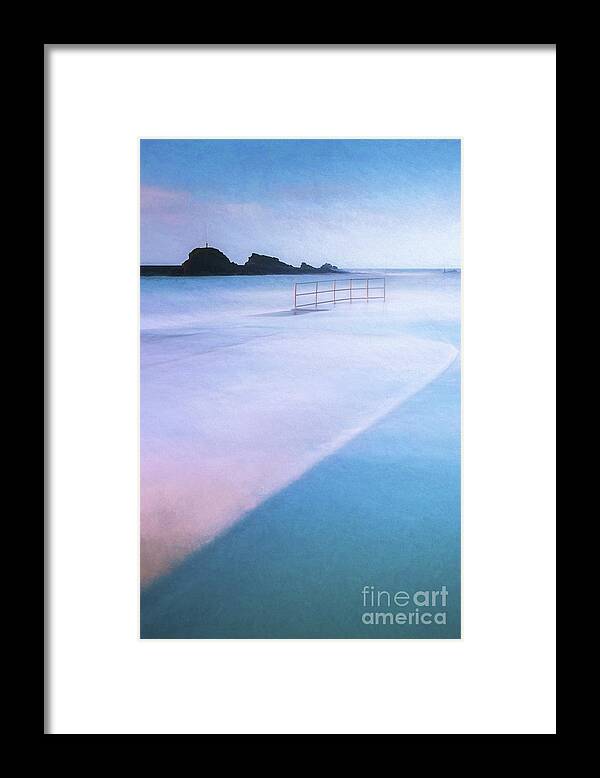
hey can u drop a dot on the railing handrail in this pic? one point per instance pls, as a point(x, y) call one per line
point(334, 289)
point(354, 278)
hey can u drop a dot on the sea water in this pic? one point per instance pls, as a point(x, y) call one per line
point(300, 470)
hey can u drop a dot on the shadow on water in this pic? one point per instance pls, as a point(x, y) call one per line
point(291, 312)
point(383, 511)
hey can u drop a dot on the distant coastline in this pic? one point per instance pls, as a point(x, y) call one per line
point(209, 261)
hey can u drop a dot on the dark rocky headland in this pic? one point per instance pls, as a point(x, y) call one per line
point(212, 262)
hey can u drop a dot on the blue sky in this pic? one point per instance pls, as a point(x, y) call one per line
point(355, 203)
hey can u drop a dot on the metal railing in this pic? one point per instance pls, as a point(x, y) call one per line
point(353, 289)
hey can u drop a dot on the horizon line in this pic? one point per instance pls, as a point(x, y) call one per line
point(362, 267)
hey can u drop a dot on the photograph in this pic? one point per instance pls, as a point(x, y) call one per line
point(300, 329)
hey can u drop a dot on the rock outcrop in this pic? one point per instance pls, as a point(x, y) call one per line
point(210, 261)
point(261, 264)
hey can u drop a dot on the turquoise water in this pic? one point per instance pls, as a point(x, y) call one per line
point(381, 510)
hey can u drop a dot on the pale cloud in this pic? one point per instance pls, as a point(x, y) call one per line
point(298, 229)
point(155, 199)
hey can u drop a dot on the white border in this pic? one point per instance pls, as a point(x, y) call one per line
point(500, 677)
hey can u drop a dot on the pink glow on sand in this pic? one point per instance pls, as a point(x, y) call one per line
point(224, 429)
